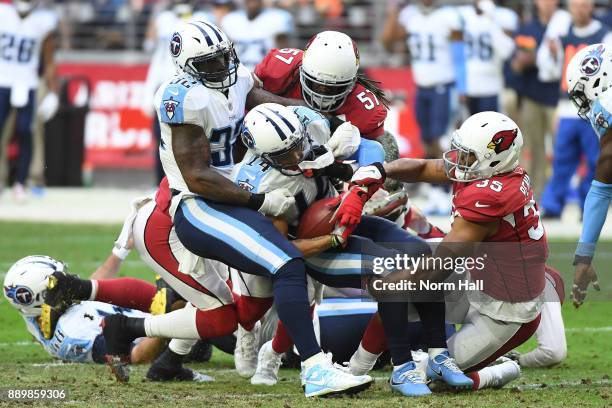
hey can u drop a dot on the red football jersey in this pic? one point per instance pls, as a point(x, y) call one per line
point(163, 196)
point(514, 268)
point(280, 74)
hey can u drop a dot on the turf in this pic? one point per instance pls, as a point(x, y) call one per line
point(583, 379)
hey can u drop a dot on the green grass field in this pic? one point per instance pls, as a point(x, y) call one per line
point(583, 379)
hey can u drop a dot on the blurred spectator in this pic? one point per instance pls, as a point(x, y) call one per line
point(430, 32)
point(538, 99)
point(508, 19)
point(575, 137)
point(487, 46)
point(221, 8)
point(255, 30)
point(29, 43)
point(161, 67)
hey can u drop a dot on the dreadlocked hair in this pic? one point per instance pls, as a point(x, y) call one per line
point(374, 87)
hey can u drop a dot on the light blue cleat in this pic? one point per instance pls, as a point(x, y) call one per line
point(443, 367)
point(408, 381)
point(323, 378)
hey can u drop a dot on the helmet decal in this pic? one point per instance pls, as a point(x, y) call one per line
point(19, 294)
point(502, 140)
point(591, 63)
point(247, 138)
point(176, 45)
point(170, 107)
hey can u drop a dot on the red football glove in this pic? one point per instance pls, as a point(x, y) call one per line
point(351, 206)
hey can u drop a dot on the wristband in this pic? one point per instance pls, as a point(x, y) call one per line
point(256, 201)
point(581, 259)
point(121, 252)
point(335, 241)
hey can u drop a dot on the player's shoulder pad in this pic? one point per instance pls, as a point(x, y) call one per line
point(279, 69)
point(179, 97)
point(480, 204)
point(364, 111)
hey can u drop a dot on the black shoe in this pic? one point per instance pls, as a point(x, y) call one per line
point(119, 340)
point(63, 290)
point(201, 352)
point(159, 373)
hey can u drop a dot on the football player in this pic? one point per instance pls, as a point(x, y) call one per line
point(27, 43)
point(256, 30)
point(433, 35)
point(72, 332)
point(200, 111)
point(487, 46)
point(588, 84)
point(279, 147)
point(492, 203)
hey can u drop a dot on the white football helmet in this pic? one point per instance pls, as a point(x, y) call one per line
point(486, 144)
point(329, 70)
point(202, 50)
point(24, 7)
point(26, 282)
point(588, 75)
point(275, 134)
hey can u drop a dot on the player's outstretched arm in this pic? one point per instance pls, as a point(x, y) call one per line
point(413, 170)
point(258, 95)
point(595, 212)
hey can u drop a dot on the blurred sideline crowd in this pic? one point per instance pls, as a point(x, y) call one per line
point(511, 59)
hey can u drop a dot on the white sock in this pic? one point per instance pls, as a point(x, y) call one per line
point(486, 376)
point(316, 359)
point(435, 351)
point(181, 346)
point(94, 290)
point(364, 358)
point(497, 376)
point(180, 324)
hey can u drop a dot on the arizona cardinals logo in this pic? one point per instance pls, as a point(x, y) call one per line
point(502, 141)
point(591, 64)
point(170, 107)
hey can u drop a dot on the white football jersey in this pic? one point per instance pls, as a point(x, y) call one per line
point(20, 44)
point(429, 43)
point(76, 330)
point(183, 99)
point(486, 49)
point(254, 38)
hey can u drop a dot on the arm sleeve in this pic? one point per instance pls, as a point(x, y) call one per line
point(550, 334)
point(595, 212)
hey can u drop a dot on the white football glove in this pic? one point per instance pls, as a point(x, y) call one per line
point(345, 141)
point(48, 106)
point(277, 202)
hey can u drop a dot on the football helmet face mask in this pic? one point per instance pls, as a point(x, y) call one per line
point(588, 75)
point(276, 135)
point(26, 282)
point(203, 51)
point(329, 70)
point(486, 144)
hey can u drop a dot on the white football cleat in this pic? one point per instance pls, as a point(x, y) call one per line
point(268, 364)
point(245, 353)
point(506, 371)
point(321, 377)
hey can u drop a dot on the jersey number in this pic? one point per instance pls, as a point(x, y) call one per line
point(479, 46)
point(221, 144)
point(368, 102)
point(494, 185)
point(287, 60)
point(422, 49)
point(536, 231)
point(11, 49)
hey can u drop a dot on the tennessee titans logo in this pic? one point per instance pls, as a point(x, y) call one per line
point(591, 64)
point(176, 45)
point(21, 295)
point(170, 107)
point(247, 138)
point(600, 120)
point(245, 185)
point(502, 141)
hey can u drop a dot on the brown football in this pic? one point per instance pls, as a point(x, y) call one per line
point(316, 219)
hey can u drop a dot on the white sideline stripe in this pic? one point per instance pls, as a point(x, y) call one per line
point(588, 329)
